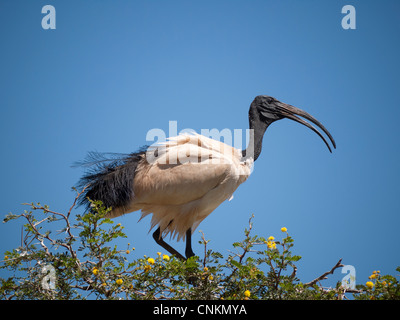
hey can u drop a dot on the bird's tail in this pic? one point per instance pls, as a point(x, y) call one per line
point(108, 177)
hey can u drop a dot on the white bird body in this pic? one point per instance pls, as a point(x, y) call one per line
point(190, 176)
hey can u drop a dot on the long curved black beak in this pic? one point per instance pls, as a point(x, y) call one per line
point(290, 112)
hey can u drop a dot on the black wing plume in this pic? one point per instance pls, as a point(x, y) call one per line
point(109, 177)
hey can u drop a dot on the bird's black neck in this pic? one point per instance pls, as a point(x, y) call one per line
point(257, 130)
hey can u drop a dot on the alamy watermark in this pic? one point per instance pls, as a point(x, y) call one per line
point(349, 280)
point(49, 20)
point(49, 280)
point(349, 20)
point(212, 146)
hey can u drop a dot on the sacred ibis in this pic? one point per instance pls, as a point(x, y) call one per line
point(186, 178)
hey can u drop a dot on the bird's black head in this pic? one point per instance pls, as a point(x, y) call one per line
point(266, 109)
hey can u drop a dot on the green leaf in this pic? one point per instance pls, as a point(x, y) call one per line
point(235, 263)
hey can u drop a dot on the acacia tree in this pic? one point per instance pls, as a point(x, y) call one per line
point(81, 262)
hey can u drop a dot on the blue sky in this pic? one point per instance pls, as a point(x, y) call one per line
point(113, 70)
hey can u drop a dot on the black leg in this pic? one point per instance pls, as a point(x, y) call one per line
point(166, 246)
point(188, 251)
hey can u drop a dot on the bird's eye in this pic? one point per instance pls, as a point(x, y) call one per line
point(270, 100)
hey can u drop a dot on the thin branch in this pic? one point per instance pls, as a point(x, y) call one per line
point(205, 248)
point(294, 271)
point(248, 242)
point(76, 199)
point(323, 276)
point(68, 246)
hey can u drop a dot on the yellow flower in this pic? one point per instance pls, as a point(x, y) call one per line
point(95, 271)
point(147, 268)
point(165, 257)
point(159, 253)
point(151, 260)
point(271, 245)
point(104, 284)
point(211, 278)
point(271, 238)
point(247, 293)
point(369, 284)
point(205, 269)
point(118, 224)
point(373, 276)
point(284, 229)
point(128, 252)
point(5, 257)
point(119, 282)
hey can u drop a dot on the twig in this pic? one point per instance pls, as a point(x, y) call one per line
point(323, 276)
point(205, 248)
point(76, 199)
point(67, 245)
point(248, 242)
point(294, 272)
